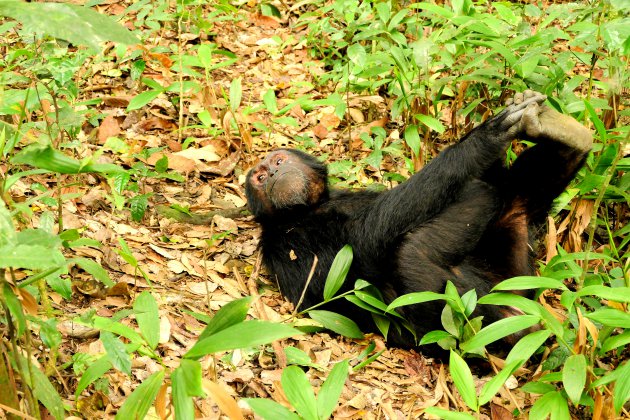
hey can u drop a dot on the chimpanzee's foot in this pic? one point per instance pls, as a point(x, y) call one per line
point(547, 123)
point(539, 122)
point(510, 120)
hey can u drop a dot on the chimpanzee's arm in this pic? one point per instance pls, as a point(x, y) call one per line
point(440, 183)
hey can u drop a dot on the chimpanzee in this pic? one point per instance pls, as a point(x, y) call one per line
point(464, 217)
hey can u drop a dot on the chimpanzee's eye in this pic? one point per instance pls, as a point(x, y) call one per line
point(279, 161)
point(261, 177)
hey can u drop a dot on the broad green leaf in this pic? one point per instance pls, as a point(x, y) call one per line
point(538, 388)
point(574, 377)
point(299, 392)
point(270, 410)
point(230, 314)
point(244, 334)
point(43, 390)
point(107, 324)
point(95, 269)
point(618, 294)
point(551, 404)
point(236, 93)
point(270, 101)
point(116, 352)
point(370, 300)
point(338, 272)
point(498, 330)
point(611, 317)
point(357, 55)
point(146, 310)
point(491, 387)
point(511, 299)
point(32, 257)
point(76, 24)
point(330, 391)
point(412, 138)
point(136, 405)
point(448, 415)
point(462, 377)
point(337, 323)
point(142, 99)
point(93, 372)
point(413, 298)
point(138, 205)
point(15, 308)
point(298, 357)
point(45, 157)
point(527, 345)
point(615, 341)
point(530, 282)
point(8, 234)
point(621, 393)
point(434, 337)
point(186, 383)
point(431, 122)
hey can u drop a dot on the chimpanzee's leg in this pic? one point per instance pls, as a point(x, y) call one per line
point(529, 187)
point(439, 250)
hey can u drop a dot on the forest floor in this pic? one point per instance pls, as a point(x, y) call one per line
point(190, 272)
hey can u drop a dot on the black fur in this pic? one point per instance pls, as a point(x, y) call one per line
point(464, 217)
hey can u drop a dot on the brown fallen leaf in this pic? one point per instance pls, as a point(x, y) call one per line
point(110, 127)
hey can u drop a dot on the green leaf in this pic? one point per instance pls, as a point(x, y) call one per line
point(136, 405)
point(270, 410)
point(116, 352)
point(270, 101)
point(431, 122)
point(76, 24)
point(412, 138)
point(45, 157)
point(299, 392)
point(413, 298)
point(462, 377)
point(230, 314)
point(434, 337)
point(8, 234)
point(330, 391)
point(611, 317)
point(527, 346)
point(615, 341)
point(15, 308)
point(186, 382)
point(161, 165)
point(94, 268)
point(138, 206)
point(338, 272)
point(551, 404)
point(574, 377)
point(298, 357)
point(498, 330)
point(43, 390)
point(142, 99)
point(530, 282)
point(236, 93)
point(245, 334)
point(337, 323)
point(146, 310)
point(357, 55)
point(618, 294)
point(491, 387)
point(447, 414)
point(32, 257)
point(621, 393)
point(93, 372)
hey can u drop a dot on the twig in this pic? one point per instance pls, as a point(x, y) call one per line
point(308, 281)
